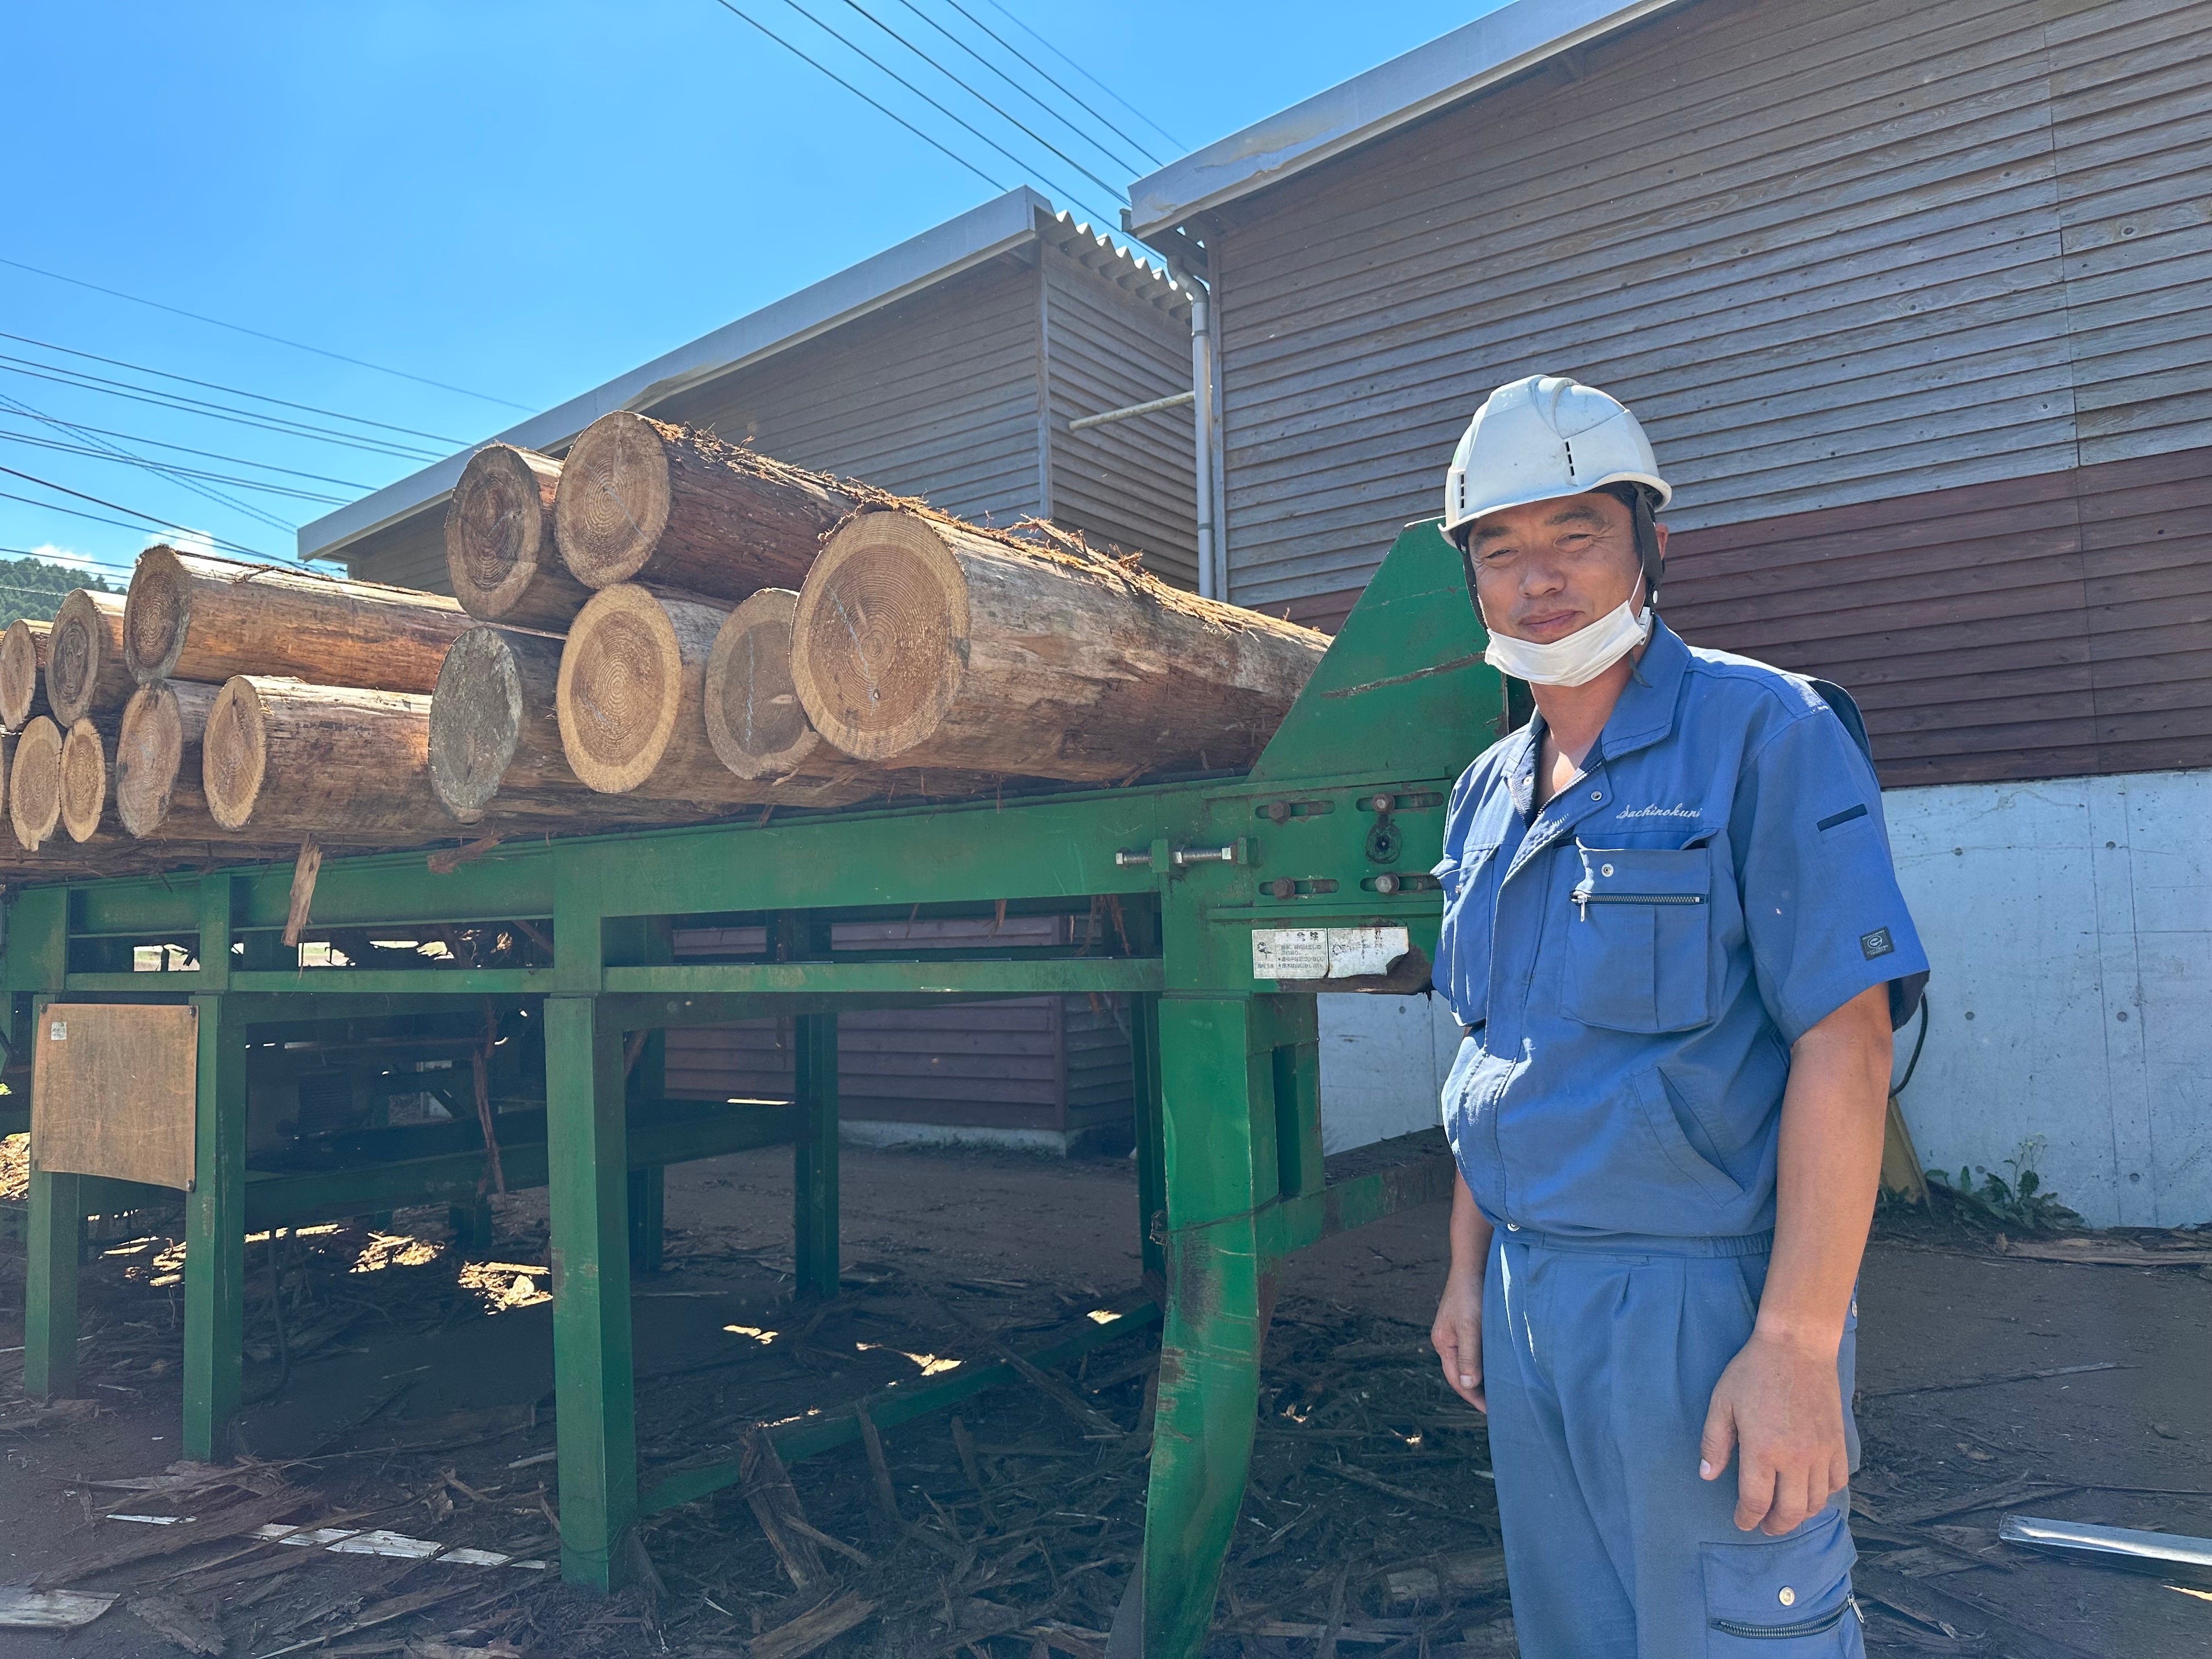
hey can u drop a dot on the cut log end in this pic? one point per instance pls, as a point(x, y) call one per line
point(83, 780)
point(879, 634)
point(150, 756)
point(499, 552)
point(23, 649)
point(614, 499)
point(85, 672)
point(476, 721)
point(621, 689)
point(234, 753)
point(754, 718)
point(34, 784)
point(156, 615)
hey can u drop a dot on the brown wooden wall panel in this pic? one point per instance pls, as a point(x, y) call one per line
point(2049, 626)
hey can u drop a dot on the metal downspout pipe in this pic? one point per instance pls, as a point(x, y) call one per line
point(1212, 567)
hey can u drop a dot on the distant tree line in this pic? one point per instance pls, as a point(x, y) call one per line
point(34, 589)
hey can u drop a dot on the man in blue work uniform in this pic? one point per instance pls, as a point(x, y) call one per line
point(1673, 934)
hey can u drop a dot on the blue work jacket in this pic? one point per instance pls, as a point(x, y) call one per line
point(1637, 958)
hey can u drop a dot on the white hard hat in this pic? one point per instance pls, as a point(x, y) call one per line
point(1542, 437)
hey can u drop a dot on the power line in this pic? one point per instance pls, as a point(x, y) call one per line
point(201, 490)
point(726, 6)
point(185, 449)
point(853, 46)
point(165, 470)
point(1080, 70)
point(82, 562)
point(117, 506)
point(78, 512)
point(235, 391)
point(215, 411)
point(1139, 144)
point(239, 328)
point(1115, 193)
point(1089, 138)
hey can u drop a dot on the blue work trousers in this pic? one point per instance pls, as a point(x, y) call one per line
point(1599, 1358)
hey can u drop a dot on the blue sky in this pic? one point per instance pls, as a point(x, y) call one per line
point(518, 200)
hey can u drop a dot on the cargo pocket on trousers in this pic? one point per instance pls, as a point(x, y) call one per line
point(1788, 1596)
point(1640, 942)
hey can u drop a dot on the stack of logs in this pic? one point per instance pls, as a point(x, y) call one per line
point(662, 628)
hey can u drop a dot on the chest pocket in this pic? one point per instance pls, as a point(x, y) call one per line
point(1639, 939)
point(1470, 889)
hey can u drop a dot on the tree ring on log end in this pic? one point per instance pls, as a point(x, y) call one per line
point(754, 719)
point(494, 529)
point(157, 613)
point(34, 784)
point(84, 779)
point(476, 721)
point(150, 754)
point(234, 753)
point(74, 651)
point(613, 501)
point(19, 674)
point(879, 640)
point(620, 690)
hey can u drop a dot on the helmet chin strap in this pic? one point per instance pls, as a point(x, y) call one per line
point(1647, 550)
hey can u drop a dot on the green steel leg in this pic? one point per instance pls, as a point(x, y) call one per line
point(1219, 1074)
point(215, 1236)
point(589, 1182)
point(56, 1242)
point(814, 1165)
point(1151, 1176)
point(472, 1225)
point(648, 1192)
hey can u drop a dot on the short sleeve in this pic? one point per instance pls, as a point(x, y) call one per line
point(1821, 905)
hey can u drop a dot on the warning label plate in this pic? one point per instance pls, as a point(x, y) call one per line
point(1307, 953)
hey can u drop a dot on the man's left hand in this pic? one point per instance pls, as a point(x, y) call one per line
point(1780, 1407)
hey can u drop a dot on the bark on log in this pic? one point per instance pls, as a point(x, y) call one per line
point(85, 670)
point(631, 705)
point(931, 643)
point(758, 727)
point(88, 775)
point(500, 551)
point(34, 783)
point(496, 739)
point(191, 618)
point(23, 664)
point(285, 757)
point(642, 501)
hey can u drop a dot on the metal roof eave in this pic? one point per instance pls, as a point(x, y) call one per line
point(1453, 67)
point(944, 251)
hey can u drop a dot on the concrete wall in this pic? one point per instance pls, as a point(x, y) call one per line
point(2069, 924)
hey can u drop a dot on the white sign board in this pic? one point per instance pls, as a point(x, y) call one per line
point(1308, 953)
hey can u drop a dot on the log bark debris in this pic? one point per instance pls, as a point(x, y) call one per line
point(501, 553)
point(645, 501)
point(928, 642)
point(191, 617)
point(85, 670)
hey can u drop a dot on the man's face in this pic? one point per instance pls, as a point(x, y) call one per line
point(1544, 570)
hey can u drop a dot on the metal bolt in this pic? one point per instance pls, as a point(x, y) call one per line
point(1283, 887)
point(1382, 803)
point(1386, 883)
point(1278, 810)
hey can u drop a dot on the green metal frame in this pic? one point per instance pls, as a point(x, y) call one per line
point(1228, 1137)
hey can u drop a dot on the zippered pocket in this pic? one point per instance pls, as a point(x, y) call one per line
point(1638, 949)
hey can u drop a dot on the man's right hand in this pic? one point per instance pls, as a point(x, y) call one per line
point(1457, 1337)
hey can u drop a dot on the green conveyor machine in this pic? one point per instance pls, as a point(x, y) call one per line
point(1232, 901)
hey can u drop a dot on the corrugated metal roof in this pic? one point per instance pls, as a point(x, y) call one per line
point(1452, 67)
point(1009, 221)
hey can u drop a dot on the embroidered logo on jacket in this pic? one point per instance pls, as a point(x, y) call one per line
point(1677, 810)
point(1876, 944)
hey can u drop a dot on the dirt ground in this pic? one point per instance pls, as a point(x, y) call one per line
point(417, 1400)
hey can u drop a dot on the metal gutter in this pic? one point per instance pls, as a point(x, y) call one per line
point(1392, 95)
point(960, 244)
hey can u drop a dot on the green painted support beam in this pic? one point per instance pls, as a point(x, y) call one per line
point(593, 1386)
point(815, 1257)
point(214, 1237)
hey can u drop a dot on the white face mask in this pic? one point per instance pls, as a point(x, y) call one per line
point(1578, 659)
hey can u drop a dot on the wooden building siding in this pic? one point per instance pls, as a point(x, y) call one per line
point(1835, 256)
point(960, 393)
point(1131, 482)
